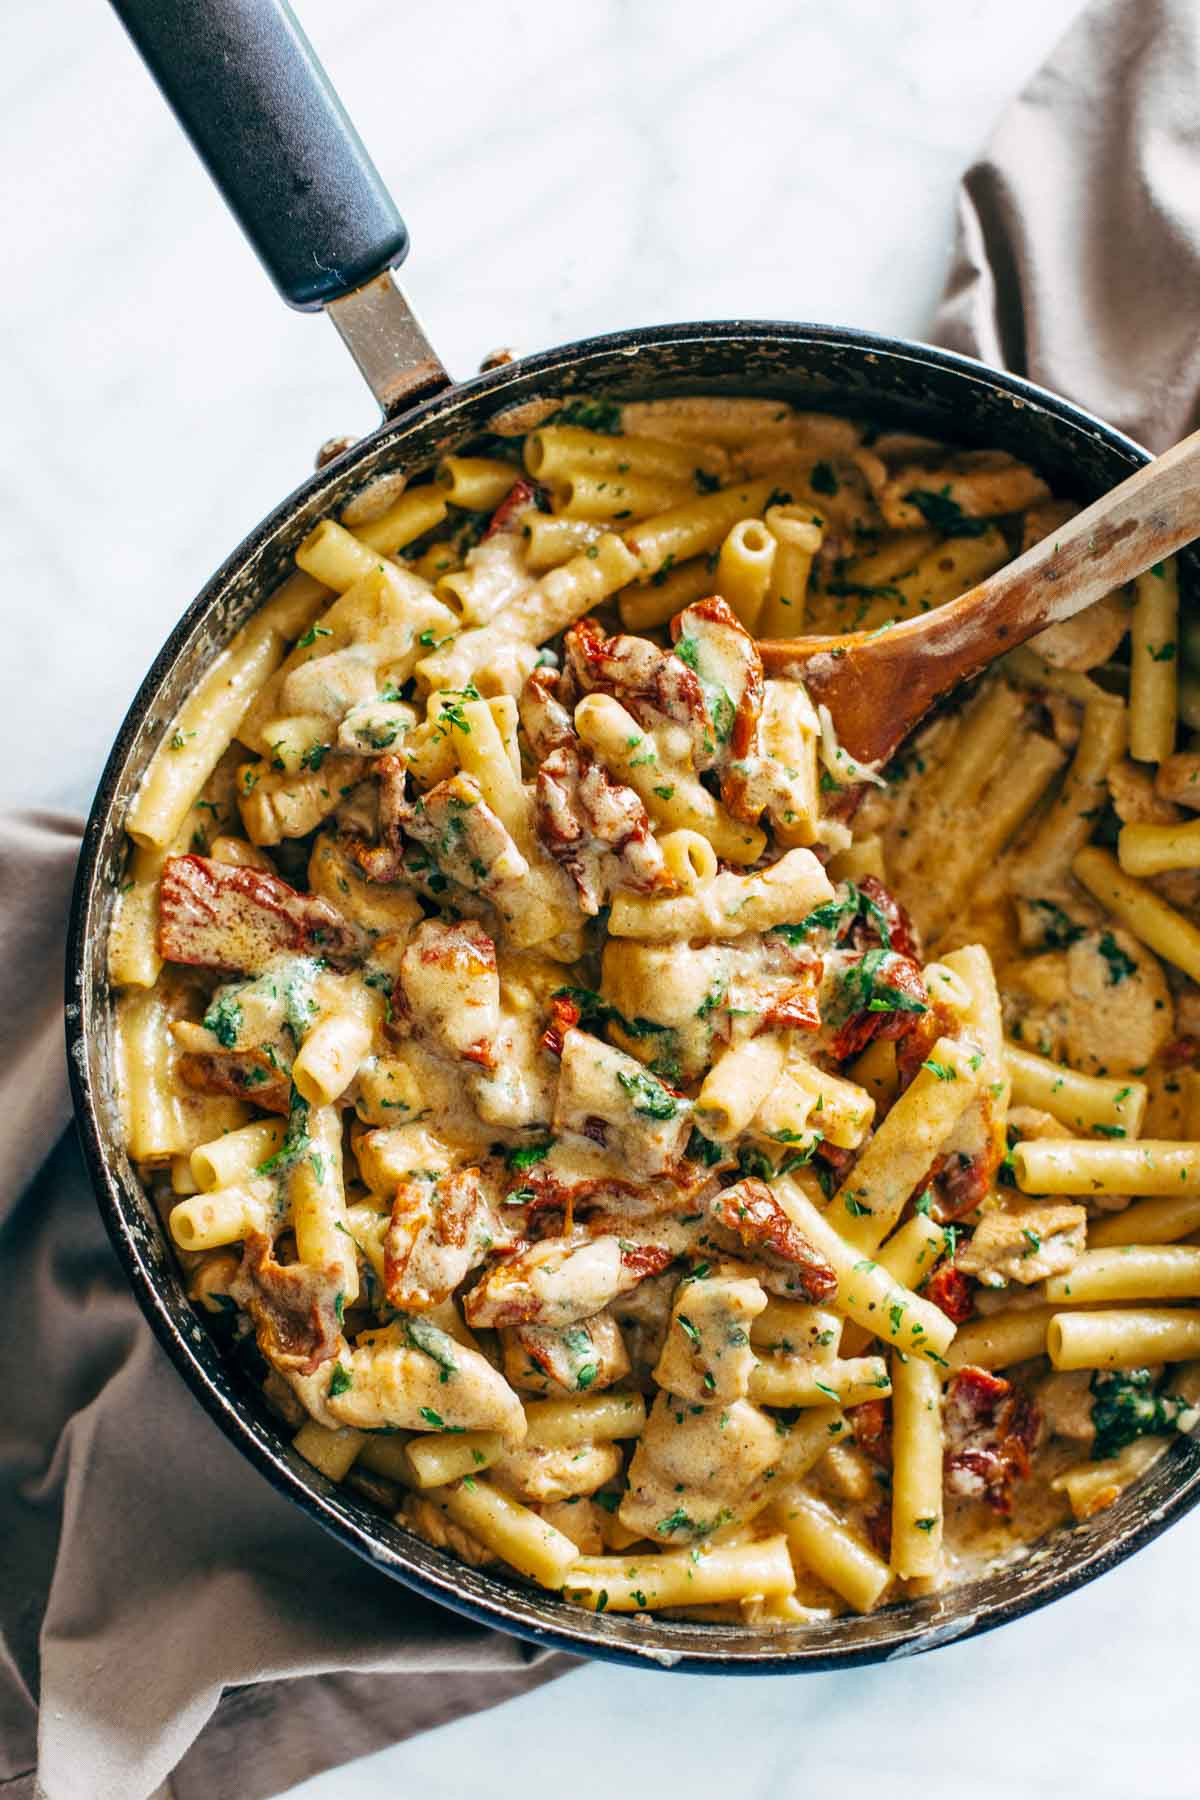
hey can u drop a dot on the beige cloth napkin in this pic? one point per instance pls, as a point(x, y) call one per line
point(145, 1569)
point(1078, 256)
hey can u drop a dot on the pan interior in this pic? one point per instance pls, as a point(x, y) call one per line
point(892, 384)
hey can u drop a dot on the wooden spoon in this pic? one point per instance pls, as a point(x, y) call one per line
point(879, 684)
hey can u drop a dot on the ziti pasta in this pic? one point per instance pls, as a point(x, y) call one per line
point(626, 1140)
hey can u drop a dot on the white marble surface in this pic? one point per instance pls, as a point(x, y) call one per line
point(564, 169)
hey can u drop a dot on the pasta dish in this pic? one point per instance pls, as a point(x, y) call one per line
point(628, 1140)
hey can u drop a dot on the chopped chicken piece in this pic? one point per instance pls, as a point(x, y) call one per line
point(294, 1307)
point(1032, 1122)
point(440, 1230)
point(1065, 1400)
point(848, 1473)
point(978, 484)
point(338, 876)
point(579, 1520)
point(779, 775)
point(1043, 518)
point(541, 1475)
point(415, 1376)
point(1119, 1012)
point(597, 829)
point(1178, 779)
point(545, 717)
point(707, 1355)
point(426, 1518)
point(560, 1281)
point(1024, 1243)
point(990, 1428)
point(1103, 1004)
point(579, 1175)
point(696, 1468)
point(220, 916)
point(644, 1316)
point(382, 862)
point(654, 684)
point(518, 1090)
point(694, 1002)
point(711, 640)
point(574, 1359)
point(450, 988)
point(612, 1100)
point(1047, 925)
point(465, 838)
point(276, 805)
point(1065, 718)
point(1087, 640)
point(1132, 789)
point(791, 1266)
point(246, 1074)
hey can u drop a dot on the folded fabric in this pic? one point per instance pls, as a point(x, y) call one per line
point(147, 1568)
point(1078, 253)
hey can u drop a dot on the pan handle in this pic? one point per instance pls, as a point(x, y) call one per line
point(247, 87)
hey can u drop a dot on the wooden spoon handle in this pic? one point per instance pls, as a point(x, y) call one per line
point(879, 684)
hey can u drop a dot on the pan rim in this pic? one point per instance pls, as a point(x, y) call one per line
point(500, 1603)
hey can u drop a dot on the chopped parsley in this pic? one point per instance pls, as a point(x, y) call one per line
point(838, 914)
point(1120, 965)
point(527, 1155)
point(311, 635)
point(702, 1150)
point(296, 1141)
point(1125, 1406)
point(945, 514)
point(1058, 928)
point(436, 1422)
point(864, 987)
point(680, 1520)
point(650, 1098)
point(941, 1070)
point(339, 1381)
point(224, 1020)
point(717, 703)
point(593, 415)
point(595, 1011)
point(435, 1343)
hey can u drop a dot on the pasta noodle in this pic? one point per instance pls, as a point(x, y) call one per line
point(1154, 663)
point(1123, 1340)
point(917, 1475)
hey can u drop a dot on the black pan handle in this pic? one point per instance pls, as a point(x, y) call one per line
point(248, 89)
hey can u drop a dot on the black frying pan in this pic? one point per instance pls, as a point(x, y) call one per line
point(262, 114)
